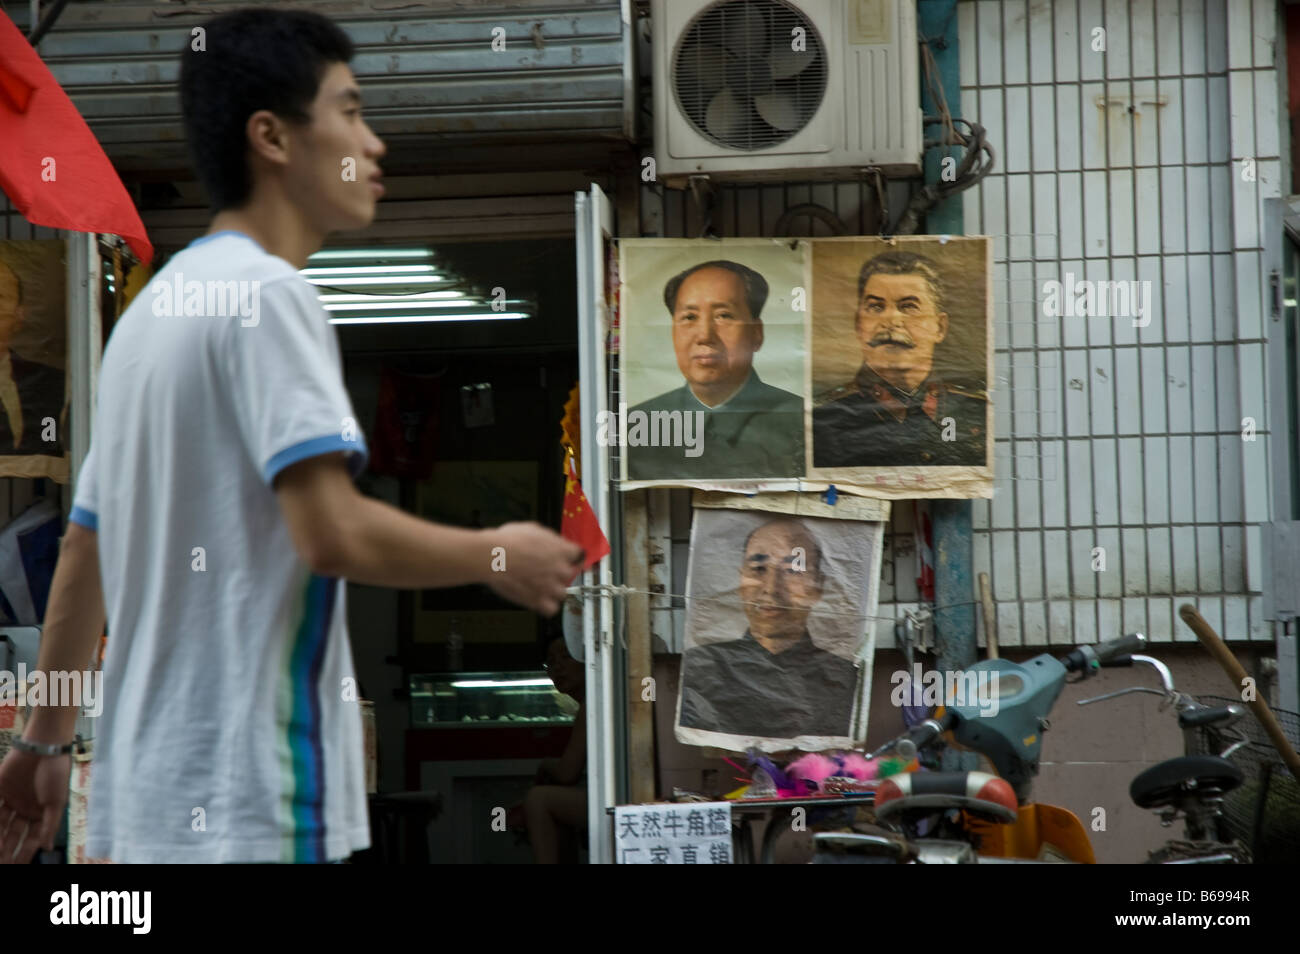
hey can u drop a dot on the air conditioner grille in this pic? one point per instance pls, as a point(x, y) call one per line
point(749, 74)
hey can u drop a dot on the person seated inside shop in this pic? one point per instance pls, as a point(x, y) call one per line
point(774, 681)
point(555, 809)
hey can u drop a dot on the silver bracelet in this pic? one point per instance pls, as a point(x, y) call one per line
point(44, 748)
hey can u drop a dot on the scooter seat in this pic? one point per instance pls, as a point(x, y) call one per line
point(986, 796)
point(1184, 777)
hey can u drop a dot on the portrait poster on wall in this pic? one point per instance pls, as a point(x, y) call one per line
point(781, 596)
point(713, 363)
point(33, 355)
point(901, 350)
point(767, 365)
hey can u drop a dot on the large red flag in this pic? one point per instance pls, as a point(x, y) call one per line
point(578, 523)
point(52, 167)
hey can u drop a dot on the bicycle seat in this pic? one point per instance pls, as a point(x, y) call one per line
point(1209, 716)
point(1187, 776)
point(986, 796)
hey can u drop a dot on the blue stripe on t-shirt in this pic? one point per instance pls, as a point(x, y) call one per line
point(306, 745)
point(86, 518)
point(356, 449)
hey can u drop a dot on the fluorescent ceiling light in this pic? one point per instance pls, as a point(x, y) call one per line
point(385, 280)
point(402, 319)
point(366, 270)
point(384, 290)
point(369, 254)
point(498, 683)
point(422, 303)
point(383, 299)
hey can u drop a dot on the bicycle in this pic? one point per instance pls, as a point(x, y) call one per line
point(1190, 787)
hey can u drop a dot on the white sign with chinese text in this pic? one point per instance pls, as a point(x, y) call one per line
point(691, 833)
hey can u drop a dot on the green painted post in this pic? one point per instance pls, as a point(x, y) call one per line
point(954, 581)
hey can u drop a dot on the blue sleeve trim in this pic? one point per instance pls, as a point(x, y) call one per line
point(84, 517)
point(358, 454)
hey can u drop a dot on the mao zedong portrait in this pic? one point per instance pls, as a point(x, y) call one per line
point(773, 681)
point(749, 428)
point(899, 409)
point(30, 392)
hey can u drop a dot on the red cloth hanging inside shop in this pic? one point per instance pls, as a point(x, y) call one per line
point(406, 425)
point(52, 167)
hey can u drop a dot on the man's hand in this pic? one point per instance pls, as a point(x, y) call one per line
point(538, 565)
point(33, 792)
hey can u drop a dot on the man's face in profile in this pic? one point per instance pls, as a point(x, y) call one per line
point(319, 150)
point(776, 594)
point(11, 317)
point(714, 335)
point(898, 327)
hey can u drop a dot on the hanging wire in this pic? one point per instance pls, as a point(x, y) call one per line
point(619, 590)
point(975, 164)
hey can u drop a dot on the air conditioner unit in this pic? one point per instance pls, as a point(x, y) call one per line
point(766, 89)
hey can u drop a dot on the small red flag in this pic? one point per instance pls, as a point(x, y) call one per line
point(52, 167)
point(578, 523)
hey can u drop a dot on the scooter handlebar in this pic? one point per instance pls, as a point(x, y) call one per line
point(926, 732)
point(919, 736)
point(1087, 659)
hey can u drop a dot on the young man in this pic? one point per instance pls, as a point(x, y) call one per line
point(217, 503)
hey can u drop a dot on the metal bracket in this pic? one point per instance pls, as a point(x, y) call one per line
point(702, 191)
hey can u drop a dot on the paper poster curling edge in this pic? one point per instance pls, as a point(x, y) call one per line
point(863, 660)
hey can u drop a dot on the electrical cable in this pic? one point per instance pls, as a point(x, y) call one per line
point(620, 590)
point(47, 22)
point(976, 163)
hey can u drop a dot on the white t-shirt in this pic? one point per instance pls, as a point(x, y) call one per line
point(230, 730)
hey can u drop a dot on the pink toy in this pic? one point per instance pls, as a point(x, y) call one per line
point(811, 769)
point(858, 766)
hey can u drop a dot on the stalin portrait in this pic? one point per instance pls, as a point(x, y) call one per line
point(900, 409)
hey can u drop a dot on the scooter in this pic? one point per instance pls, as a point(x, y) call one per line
point(964, 817)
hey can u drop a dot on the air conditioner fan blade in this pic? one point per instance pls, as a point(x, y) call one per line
point(787, 64)
point(725, 117)
point(779, 109)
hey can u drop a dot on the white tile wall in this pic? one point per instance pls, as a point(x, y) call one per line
point(1153, 468)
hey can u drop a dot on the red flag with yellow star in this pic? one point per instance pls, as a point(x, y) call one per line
point(578, 523)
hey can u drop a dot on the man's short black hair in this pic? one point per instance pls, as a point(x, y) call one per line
point(755, 285)
point(250, 60)
point(903, 263)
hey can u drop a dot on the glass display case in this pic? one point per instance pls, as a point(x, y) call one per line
point(461, 699)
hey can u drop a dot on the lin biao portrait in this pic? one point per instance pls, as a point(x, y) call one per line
point(778, 608)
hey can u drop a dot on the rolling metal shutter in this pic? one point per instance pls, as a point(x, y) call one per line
point(430, 76)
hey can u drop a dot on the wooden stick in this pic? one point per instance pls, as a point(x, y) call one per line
point(1219, 650)
point(990, 617)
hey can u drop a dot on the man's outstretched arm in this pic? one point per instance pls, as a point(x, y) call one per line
point(341, 533)
point(33, 788)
